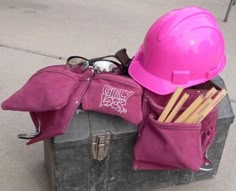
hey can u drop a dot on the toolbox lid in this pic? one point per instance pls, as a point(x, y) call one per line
point(85, 124)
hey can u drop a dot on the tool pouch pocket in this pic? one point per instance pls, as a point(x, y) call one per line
point(114, 95)
point(162, 145)
point(48, 89)
point(169, 145)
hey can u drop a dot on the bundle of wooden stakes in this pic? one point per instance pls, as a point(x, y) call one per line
point(196, 111)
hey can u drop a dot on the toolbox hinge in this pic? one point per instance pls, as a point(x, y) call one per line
point(100, 145)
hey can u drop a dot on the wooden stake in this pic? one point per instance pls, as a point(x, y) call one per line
point(210, 93)
point(177, 108)
point(200, 108)
point(170, 104)
point(190, 109)
point(219, 97)
point(201, 115)
point(208, 108)
point(197, 111)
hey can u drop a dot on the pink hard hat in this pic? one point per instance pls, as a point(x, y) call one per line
point(184, 47)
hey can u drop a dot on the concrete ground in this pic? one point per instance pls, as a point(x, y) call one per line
point(34, 34)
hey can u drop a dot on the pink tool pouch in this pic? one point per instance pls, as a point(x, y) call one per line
point(48, 89)
point(56, 122)
point(114, 95)
point(162, 145)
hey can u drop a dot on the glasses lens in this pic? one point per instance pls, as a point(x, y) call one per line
point(104, 66)
point(74, 62)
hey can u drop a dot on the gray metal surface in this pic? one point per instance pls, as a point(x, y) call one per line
point(70, 165)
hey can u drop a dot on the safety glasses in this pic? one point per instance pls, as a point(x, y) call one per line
point(118, 62)
point(101, 64)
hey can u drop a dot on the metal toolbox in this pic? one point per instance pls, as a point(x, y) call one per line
point(96, 154)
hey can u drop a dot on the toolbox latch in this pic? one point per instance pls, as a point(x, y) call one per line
point(100, 145)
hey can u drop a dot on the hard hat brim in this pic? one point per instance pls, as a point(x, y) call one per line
point(160, 85)
point(149, 81)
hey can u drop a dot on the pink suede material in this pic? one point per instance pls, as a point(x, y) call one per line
point(172, 145)
point(56, 122)
point(52, 96)
point(209, 125)
point(169, 144)
point(48, 89)
point(114, 95)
